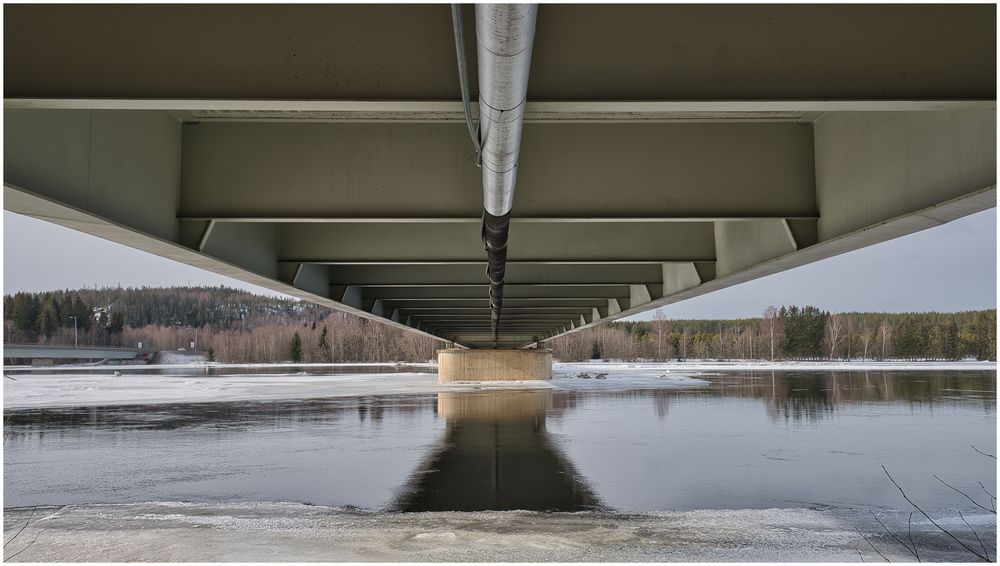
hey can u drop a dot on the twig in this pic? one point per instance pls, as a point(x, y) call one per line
point(986, 552)
point(871, 545)
point(894, 537)
point(909, 534)
point(983, 453)
point(25, 546)
point(965, 495)
point(993, 497)
point(933, 522)
point(30, 515)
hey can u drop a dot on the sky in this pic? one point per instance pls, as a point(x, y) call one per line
point(947, 268)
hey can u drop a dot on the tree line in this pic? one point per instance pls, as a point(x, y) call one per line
point(791, 333)
point(239, 327)
point(232, 325)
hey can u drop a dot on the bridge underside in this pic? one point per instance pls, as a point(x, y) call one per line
point(668, 151)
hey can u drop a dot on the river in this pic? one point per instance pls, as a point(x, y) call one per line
point(734, 440)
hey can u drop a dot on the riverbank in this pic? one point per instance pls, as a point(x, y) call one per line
point(69, 386)
point(33, 390)
point(695, 365)
point(780, 365)
point(289, 532)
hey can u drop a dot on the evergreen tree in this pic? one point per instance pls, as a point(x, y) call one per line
point(48, 319)
point(324, 343)
point(66, 311)
point(949, 345)
point(117, 324)
point(84, 314)
point(8, 307)
point(984, 330)
point(296, 347)
point(46, 323)
point(24, 313)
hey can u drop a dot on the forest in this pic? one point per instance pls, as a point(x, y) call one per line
point(232, 325)
point(236, 326)
point(791, 333)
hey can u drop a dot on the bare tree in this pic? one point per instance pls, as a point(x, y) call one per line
point(834, 332)
point(771, 327)
point(884, 331)
point(660, 327)
point(866, 334)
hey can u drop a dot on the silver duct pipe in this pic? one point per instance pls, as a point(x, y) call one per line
point(504, 34)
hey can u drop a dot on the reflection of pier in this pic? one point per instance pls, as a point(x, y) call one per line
point(496, 455)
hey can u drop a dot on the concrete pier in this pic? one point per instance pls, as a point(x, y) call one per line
point(493, 365)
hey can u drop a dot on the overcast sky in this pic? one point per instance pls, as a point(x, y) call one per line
point(948, 268)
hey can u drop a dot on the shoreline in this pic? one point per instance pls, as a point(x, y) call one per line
point(67, 387)
point(262, 531)
point(690, 364)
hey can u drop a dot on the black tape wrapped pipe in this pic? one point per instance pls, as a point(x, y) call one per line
point(494, 232)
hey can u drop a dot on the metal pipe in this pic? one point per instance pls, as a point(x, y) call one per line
point(504, 36)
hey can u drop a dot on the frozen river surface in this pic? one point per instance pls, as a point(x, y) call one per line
point(678, 463)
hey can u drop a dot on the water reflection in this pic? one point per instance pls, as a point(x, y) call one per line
point(813, 395)
point(746, 440)
point(496, 455)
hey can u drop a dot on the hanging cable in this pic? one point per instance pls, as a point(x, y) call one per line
point(463, 79)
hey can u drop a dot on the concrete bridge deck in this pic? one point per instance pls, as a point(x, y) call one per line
point(667, 151)
point(38, 351)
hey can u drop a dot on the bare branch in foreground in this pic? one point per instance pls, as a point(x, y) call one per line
point(894, 537)
point(30, 515)
point(965, 495)
point(983, 453)
point(25, 546)
point(909, 534)
point(993, 498)
point(933, 522)
point(986, 552)
point(871, 545)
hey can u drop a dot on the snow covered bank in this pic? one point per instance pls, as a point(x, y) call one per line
point(33, 391)
point(748, 365)
point(292, 532)
point(86, 386)
point(91, 388)
point(203, 365)
point(688, 365)
point(37, 391)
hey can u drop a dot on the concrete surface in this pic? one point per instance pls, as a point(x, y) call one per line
point(493, 365)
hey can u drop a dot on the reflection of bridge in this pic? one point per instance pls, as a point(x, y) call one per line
point(669, 151)
point(35, 351)
point(496, 455)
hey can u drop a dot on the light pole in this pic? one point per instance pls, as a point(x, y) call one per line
point(74, 331)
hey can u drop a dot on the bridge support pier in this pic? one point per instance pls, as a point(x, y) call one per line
point(493, 365)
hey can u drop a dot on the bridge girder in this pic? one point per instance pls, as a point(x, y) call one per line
point(340, 171)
